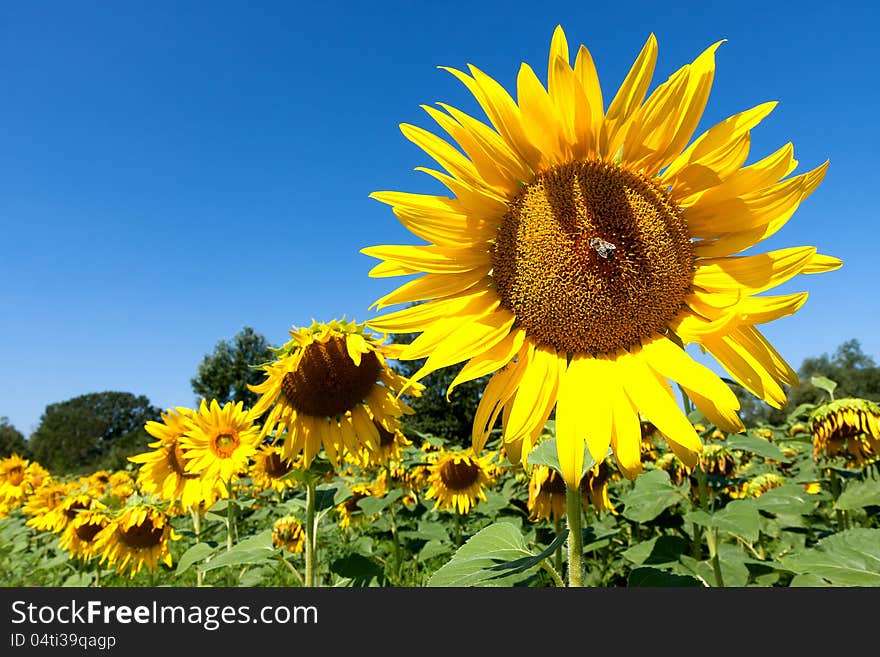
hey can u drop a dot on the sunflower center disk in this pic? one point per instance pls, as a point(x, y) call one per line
point(459, 475)
point(275, 466)
point(15, 476)
point(592, 258)
point(86, 532)
point(225, 444)
point(177, 462)
point(144, 535)
point(327, 383)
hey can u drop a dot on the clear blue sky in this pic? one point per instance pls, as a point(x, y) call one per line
point(173, 171)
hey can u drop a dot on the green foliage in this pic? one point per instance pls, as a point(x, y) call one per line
point(12, 440)
point(225, 373)
point(93, 431)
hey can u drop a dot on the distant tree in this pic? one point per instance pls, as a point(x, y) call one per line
point(93, 431)
point(225, 373)
point(451, 420)
point(856, 375)
point(11, 440)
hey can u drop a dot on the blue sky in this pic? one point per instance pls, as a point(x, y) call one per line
point(173, 171)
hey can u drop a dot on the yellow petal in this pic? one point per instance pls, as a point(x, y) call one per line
point(631, 93)
point(626, 433)
point(585, 72)
point(540, 120)
point(434, 286)
point(821, 263)
point(490, 360)
point(752, 273)
point(536, 391)
point(723, 417)
point(417, 318)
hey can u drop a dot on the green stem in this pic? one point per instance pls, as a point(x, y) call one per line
point(573, 512)
point(397, 554)
point(711, 532)
point(197, 530)
point(230, 527)
point(835, 493)
point(311, 548)
point(558, 555)
point(292, 569)
point(546, 565)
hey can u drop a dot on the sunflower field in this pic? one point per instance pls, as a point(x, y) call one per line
point(586, 247)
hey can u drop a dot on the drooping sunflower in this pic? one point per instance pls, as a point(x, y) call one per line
point(288, 533)
point(349, 510)
point(388, 449)
point(66, 510)
point(847, 428)
point(78, 537)
point(162, 470)
point(330, 387)
point(458, 479)
point(219, 443)
point(44, 499)
point(758, 485)
point(269, 468)
point(583, 246)
point(137, 537)
point(546, 499)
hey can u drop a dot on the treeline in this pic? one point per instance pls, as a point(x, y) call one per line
point(100, 430)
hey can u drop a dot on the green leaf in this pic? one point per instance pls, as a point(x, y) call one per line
point(545, 453)
point(324, 497)
point(652, 494)
point(755, 445)
point(374, 505)
point(787, 500)
point(858, 495)
point(849, 558)
point(646, 576)
point(433, 548)
point(824, 383)
point(740, 518)
point(255, 549)
point(197, 552)
point(360, 570)
point(660, 550)
point(471, 564)
point(525, 563)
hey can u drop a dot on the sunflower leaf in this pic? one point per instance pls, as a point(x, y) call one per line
point(848, 558)
point(544, 453)
point(646, 576)
point(858, 495)
point(652, 494)
point(498, 543)
point(758, 446)
point(197, 552)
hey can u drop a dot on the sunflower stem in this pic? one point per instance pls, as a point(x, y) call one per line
point(230, 525)
point(558, 556)
point(311, 548)
point(573, 512)
point(395, 537)
point(835, 493)
point(291, 568)
point(197, 530)
point(711, 532)
point(546, 565)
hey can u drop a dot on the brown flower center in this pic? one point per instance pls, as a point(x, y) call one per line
point(87, 531)
point(386, 438)
point(459, 474)
point(225, 444)
point(140, 536)
point(15, 475)
point(177, 461)
point(554, 484)
point(327, 383)
point(275, 466)
point(592, 258)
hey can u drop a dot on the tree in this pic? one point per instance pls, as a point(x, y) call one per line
point(451, 420)
point(855, 373)
point(225, 373)
point(93, 431)
point(11, 440)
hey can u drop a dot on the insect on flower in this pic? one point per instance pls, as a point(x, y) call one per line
point(603, 248)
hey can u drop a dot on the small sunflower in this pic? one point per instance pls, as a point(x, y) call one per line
point(66, 510)
point(848, 428)
point(458, 479)
point(219, 442)
point(594, 486)
point(349, 510)
point(389, 448)
point(330, 387)
point(19, 477)
point(546, 494)
point(162, 470)
point(78, 537)
point(268, 468)
point(43, 500)
point(718, 460)
point(758, 485)
point(97, 483)
point(288, 533)
point(137, 537)
point(583, 246)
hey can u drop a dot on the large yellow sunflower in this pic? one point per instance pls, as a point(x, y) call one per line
point(330, 386)
point(584, 244)
point(138, 536)
point(44, 499)
point(19, 477)
point(163, 470)
point(219, 443)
